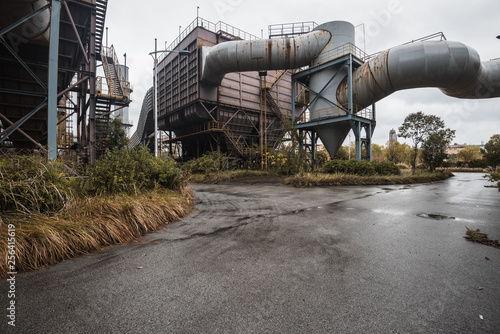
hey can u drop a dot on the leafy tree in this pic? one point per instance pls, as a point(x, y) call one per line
point(492, 150)
point(378, 153)
point(418, 127)
point(117, 136)
point(470, 153)
point(434, 148)
point(395, 152)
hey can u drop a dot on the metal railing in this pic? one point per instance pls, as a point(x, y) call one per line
point(333, 112)
point(340, 51)
point(109, 52)
point(291, 29)
point(113, 88)
point(270, 83)
point(218, 28)
point(437, 35)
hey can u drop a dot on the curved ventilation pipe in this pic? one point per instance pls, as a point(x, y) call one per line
point(453, 67)
point(260, 55)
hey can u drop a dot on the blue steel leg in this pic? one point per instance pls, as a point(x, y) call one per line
point(53, 69)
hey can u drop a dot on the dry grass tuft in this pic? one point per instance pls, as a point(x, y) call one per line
point(480, 237)
point(89, 224)
point(339, 179)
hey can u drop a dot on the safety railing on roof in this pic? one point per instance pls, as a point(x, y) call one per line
point(223, 28)
point(437, 36)
point(340, 51)
point(291, 29)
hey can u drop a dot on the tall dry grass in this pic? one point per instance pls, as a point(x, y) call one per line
point(88, 224)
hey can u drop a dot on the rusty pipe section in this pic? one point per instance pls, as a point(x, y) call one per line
point(455, 68)
point(260, 55)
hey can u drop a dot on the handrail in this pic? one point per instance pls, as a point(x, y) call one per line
point(333, 112)
point(270, 84)
point(218, 28)
point(421, 39)
point(112, 91)
point(291, 29)
point(340, 51)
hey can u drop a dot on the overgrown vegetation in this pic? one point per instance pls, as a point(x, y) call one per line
point(130, 171)
point(361, 167)
point(86, 225)
point(341, 179)
point(209, 163)
point(29, 184)
point(59, 214)
point(494, 177)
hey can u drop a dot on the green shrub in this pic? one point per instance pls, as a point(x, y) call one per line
point(361, 167)
point(208, 163)
point(31, 184)
point(386, 168)
point(125, 170)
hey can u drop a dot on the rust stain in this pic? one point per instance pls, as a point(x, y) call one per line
point(288, 52)
point(269, 50)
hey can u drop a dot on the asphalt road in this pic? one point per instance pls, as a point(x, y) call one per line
point(266, 258)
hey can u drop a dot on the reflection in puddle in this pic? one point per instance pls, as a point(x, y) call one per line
point(434, 216)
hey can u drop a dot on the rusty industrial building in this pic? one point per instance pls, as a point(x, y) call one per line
point(246, 111)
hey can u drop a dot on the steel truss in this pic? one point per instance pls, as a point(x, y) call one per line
point(358, 120)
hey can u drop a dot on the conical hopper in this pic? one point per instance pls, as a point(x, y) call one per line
point(333, 135)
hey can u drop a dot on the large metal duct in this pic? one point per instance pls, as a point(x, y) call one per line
point(453, 67)
point(256, 55)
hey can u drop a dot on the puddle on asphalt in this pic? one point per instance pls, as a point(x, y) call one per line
point(434, 216)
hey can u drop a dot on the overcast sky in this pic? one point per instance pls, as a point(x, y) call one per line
point(134, 25)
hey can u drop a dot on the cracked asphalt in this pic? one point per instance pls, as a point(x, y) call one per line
point(267, 258)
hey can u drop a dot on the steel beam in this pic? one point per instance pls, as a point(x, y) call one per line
point(21, 92)
point(91, 65)
point(55, 17)
point(24, 134)
point(76, 31)
point(24, 19)
point(20, 122)
point(23, 64)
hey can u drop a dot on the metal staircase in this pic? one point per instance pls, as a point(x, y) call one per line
point(102, 113)
point(115, 78)
point(101, 7)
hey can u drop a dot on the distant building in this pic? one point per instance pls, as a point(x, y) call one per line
point(454, 149)
point(393, 136)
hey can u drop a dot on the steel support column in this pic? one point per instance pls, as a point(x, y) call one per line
point(313, 149)
point(55, 19)
point(92, 89)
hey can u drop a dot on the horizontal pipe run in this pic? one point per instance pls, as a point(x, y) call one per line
point(455, 68)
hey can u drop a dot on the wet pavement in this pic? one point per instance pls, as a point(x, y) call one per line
point(267, 258)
